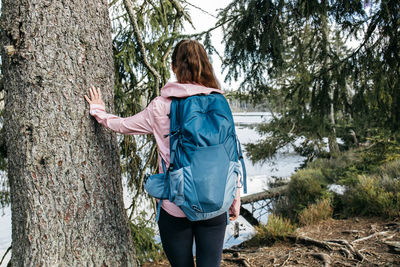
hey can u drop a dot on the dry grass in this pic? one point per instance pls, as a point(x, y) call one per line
point(277, 228)
point(315, 213)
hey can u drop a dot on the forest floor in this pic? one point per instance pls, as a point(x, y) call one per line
point(351, 242)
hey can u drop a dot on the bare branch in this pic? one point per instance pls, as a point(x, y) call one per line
point(171, 41)
point(132, 16)
point(2, 259)
point(112, 3)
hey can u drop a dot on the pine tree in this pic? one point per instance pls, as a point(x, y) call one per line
point(295, 54)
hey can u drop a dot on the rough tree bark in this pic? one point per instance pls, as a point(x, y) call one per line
point(64, 169)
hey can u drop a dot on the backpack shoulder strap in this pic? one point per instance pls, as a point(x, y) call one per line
point(165, 188)
point(240, 154)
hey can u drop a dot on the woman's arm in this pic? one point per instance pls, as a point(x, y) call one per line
point(140, 123)
point(234, 210)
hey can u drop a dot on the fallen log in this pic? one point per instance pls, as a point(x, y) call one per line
point(249, 216)
point(272, 193)
point(269, 194)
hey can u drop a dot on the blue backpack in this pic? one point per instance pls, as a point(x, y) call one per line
point(204, 158)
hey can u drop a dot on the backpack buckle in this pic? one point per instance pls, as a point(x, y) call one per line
point(196, 208)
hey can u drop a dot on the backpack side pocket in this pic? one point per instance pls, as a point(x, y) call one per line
point(176, 185)
point(156, 186)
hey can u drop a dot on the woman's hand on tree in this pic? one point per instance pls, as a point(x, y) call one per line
point(95, 96)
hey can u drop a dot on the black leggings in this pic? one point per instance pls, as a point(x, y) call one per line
point(177, 240)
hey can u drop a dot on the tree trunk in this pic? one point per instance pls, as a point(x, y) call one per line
point(332, 142)
point(63, 168)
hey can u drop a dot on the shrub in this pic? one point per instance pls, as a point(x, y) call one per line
point(391, 169)
point(371, 176)
point(277, 228)
point(373, 196)
point(314, 213)
point(143, 237)
point(306, 187)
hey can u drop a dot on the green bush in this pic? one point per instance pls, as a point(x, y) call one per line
point(373, 196)
point(277, 228)
point(306, 187)
point(371, 176)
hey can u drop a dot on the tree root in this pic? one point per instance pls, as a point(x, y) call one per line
point(241, 261)
point(283, 264)
point(324, 257)
point(355, 252)
point(342, 246)
point(310, 241)
point(233, 250)
point(370, 236)
point(394, 246)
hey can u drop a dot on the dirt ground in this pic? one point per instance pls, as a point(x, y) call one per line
point(352, 242)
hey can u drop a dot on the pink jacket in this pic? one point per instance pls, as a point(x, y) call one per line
point(154, 120)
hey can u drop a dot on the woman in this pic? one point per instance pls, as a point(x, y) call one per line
point(194, 75)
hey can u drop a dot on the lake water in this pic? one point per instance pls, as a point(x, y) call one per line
point(258, 176)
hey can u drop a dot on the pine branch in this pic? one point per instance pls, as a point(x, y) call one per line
point(141, 179)
point(195, 35)
point(132, 16)
point(220, 24)
point(202, 10)
point(371, 28)
point(180, 10)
